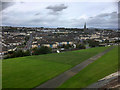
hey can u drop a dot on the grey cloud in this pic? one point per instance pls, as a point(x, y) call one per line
point(37, 14)
point(113, 14)
point(57, 8)
point(90, 17)
point(5, 5)
point(22, 2)
point(103, 15)
point(54, 13)
point(43, 18)
point(104, 20)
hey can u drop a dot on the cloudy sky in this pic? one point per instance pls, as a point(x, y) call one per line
point(60, 14)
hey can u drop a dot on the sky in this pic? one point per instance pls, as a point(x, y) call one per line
point(60, 14)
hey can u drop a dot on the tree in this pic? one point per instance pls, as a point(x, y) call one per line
point(19, 53)
point(45, 50)
point(93, 43)
point(27, 53)
point(80, 46)
point(67, 46)
point(42, 50)
point(106, 41)
point(26, 38)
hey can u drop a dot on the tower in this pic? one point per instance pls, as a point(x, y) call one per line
point(85, 27)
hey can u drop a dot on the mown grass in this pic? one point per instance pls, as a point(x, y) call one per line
point(104, 66)
point(31, 71)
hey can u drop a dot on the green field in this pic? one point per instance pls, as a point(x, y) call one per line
point(104, 66)
point(31, 71)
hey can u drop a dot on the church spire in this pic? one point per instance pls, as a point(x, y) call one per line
point(85, 26)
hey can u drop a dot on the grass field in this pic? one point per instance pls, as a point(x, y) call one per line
point(31, 71)
point(104, 66)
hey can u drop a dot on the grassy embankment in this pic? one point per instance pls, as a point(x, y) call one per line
point(104, 66)
point(31, 71)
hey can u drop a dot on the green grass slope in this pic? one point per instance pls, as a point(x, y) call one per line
point(104, 66)
point(31, 71)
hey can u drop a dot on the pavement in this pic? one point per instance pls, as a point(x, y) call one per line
point(110, 81)
point(113, 84)
point(60, 79)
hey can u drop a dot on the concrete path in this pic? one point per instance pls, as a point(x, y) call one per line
point(59, 80)
point(104, 82)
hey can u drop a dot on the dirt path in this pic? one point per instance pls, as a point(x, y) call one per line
point(60, 79)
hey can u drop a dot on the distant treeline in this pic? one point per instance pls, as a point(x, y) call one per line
point(34, 51)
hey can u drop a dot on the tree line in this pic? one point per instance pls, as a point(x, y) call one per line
point(34, 51)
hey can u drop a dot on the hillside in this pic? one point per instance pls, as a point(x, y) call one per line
point(104, 66)
point(31, 71)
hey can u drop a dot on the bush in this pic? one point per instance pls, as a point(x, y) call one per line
point(19, 53)
point(13, 54)
point(36, 51)
point(93, 43)
point(6, 57)
point(67, 46)
point(27, 53)
point(42, 50)
point(80, 46)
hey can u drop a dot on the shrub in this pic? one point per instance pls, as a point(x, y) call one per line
point(93, 43)
point(80, 46)
point(27, 53)
point(42, 50)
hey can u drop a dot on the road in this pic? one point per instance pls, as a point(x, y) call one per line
point(29, 43)
point(59, 80)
